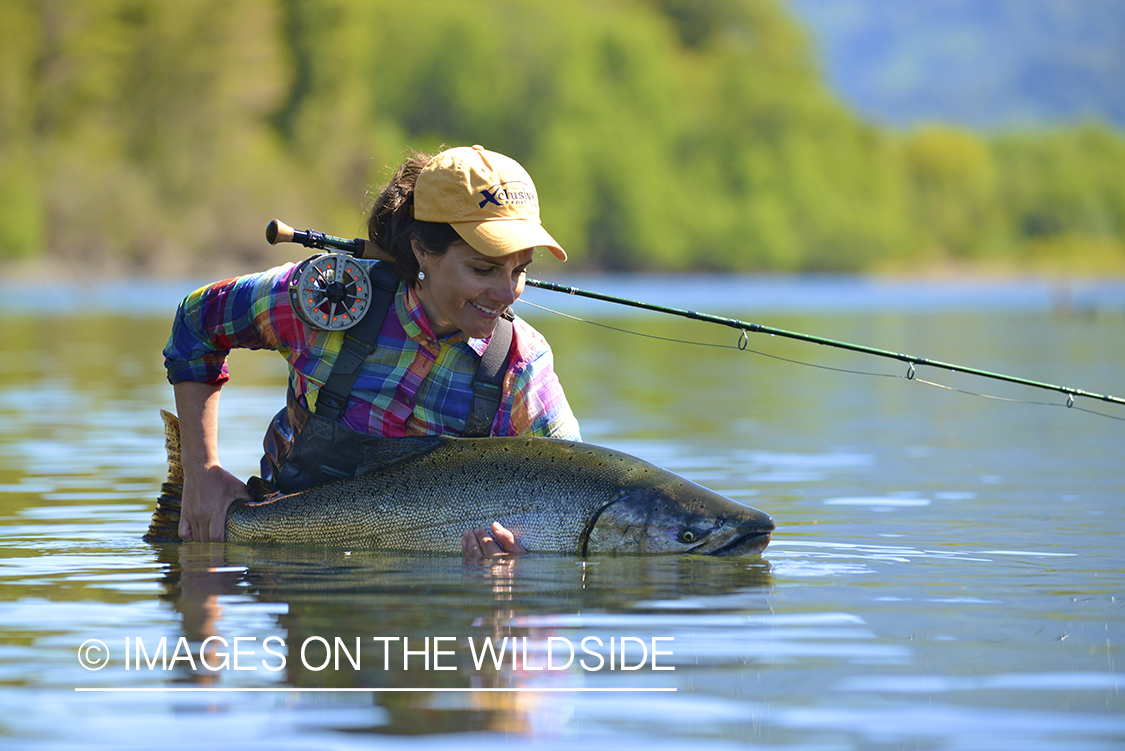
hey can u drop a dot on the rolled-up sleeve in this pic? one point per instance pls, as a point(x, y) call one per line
point(249, 312)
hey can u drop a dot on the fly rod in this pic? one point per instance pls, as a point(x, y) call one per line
point(758, 328)
point(279, 232)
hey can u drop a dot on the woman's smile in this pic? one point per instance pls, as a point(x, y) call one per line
point(467, 291)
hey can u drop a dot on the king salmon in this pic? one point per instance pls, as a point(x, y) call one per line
point(421, 493)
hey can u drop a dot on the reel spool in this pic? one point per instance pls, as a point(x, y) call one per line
point(330, 291)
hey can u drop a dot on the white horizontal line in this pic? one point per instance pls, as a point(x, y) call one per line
point(293, 689)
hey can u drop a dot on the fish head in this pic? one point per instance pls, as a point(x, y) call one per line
point(678, 517)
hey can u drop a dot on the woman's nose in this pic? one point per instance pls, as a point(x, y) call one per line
point(508, 292)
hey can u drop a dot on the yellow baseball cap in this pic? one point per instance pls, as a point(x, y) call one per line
point(487, 197)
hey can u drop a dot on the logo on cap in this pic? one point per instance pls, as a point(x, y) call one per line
point(514, 192)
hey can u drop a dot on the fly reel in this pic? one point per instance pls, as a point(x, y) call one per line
point(330, 291)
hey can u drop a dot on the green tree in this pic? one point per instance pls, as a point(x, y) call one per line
point(953, 180)
point(1063, 199)
point(662, 134)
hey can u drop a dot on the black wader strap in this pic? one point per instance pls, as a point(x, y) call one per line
point(359, 342)
point(488, 380)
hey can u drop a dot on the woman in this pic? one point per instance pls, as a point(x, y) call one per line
point(461, 229)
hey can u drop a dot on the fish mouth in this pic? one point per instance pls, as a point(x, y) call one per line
point(750, 543)
point(746, 541)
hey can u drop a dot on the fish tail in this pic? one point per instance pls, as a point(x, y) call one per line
point(165, 523)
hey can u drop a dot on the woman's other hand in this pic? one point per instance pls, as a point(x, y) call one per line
point(479, 543)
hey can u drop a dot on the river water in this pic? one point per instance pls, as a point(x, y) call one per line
point(947, 572)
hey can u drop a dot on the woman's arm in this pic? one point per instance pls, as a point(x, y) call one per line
point(250, 311)
point(209, 490)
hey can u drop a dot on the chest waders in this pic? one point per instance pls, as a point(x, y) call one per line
point(304, 449)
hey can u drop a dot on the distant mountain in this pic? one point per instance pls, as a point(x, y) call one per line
point(979, 63)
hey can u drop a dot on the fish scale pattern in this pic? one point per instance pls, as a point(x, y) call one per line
point(421, 494)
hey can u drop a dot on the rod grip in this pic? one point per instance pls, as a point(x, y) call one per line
point(278, 231)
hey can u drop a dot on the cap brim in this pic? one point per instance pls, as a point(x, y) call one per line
point(499, 237)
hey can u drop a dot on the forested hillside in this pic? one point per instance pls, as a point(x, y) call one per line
point(140, 136)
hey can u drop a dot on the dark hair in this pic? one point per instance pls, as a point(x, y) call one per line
point(392, 224)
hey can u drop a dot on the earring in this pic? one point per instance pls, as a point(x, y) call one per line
point(421, 275)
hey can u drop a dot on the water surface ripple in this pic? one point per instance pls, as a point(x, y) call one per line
point(947, 572)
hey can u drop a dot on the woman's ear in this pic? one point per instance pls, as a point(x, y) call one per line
point(418, 248)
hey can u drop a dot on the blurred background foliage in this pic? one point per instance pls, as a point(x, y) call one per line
point(150, 138)
point(982, 63)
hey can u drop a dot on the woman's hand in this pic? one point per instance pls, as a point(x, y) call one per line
point(208, 493)
point(478, 544)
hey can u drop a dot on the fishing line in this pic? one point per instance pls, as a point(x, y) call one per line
point(741, 346)
point(1069, 404)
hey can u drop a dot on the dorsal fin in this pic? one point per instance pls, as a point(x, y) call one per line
point(384, 454)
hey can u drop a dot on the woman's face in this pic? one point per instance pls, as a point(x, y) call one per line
point(467, 291)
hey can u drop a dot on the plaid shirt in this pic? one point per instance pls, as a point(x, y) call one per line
point(413, 384)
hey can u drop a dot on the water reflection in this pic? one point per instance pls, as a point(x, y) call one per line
point(430, 623)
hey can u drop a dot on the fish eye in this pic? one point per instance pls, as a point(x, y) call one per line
point(689, 535)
